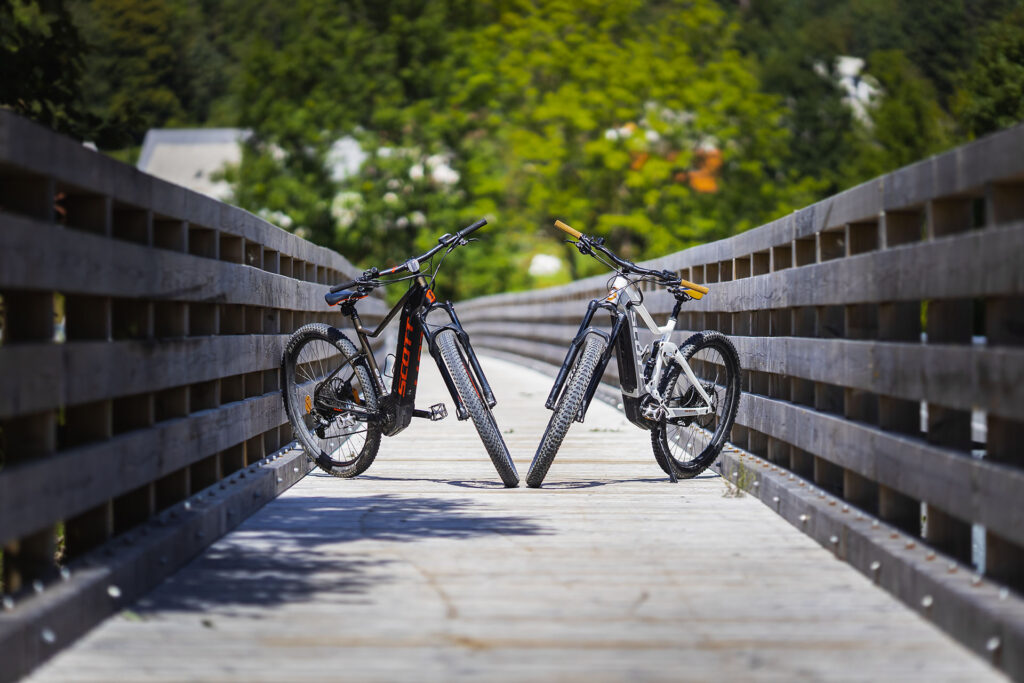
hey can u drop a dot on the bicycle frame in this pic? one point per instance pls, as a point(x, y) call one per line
point(398, 405)
point(624, 302)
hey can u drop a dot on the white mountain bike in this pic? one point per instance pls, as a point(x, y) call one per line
point(686, 395)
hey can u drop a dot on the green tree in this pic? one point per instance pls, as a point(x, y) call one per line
point(582, 117)
point(907, 124)
point(149, 64)
point(990, 93)
point(41, 65)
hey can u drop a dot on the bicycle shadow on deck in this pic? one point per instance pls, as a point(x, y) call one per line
point(552, 485)
point(295, 551)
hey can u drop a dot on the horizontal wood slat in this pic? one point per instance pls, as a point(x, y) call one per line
point(970, 489)
point(38, 492)
point(43, 256)
point(955, 376)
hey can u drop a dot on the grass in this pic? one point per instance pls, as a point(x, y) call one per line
point(735, 486)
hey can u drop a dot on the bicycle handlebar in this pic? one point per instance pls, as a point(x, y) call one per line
point(590, 243)
point(369, 275)
point(344, 285)
point(566, 228)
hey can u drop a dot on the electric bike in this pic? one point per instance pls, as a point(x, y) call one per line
point(335, 395)
point(685, 394)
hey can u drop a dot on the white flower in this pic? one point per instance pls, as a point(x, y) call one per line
point(611, 134)
point(394, 184)
point(545, 264)
point(276, 217)
point(416, 171)
point(445, 174)
point(345, 208)
point(418, 219)
point(402, 222)
point(390, 198)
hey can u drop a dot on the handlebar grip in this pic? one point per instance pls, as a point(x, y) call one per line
point(690, 285)
point(344, 285)
point(565, 228)
point(476, 226)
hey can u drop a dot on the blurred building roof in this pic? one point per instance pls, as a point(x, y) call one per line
point(191, 156)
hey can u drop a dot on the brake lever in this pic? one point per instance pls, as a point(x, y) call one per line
point(582, 246)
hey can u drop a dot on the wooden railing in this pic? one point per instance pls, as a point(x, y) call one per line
point(141, 339)
point(881, 336)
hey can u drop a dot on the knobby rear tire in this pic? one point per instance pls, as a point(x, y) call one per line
point(296, 386)
point(454, 359)
point(727, 402)
point(566, 410)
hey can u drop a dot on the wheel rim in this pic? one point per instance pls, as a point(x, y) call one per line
point(688, 442)
point(325, 387)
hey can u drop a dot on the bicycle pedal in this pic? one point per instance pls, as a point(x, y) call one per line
point(438, 411)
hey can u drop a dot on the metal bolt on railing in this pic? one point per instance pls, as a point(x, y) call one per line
point(48, 636)
point(113, 591)
point(993, 644)
point(65, 574)
point(8, 603)
point(927, 601)
point(38, 586)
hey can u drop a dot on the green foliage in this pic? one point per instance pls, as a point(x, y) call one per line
point(41, 63)
point(150, 64)
point(583, 118)
point(907, 122)
point(990, 96)
point(655, 124)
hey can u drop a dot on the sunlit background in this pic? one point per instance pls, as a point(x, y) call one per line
point(374, 126)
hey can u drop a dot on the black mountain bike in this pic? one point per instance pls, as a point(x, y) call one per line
point(686, 395)
point(335, 396)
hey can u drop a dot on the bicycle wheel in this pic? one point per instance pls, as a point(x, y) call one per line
point(455, 361)
point(566, 409)
point(326, 395)
point(690, 444)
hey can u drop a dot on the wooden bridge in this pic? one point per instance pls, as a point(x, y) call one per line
point(427, 568)
point(158, 523)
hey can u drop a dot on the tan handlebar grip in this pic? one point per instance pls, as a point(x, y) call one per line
point(691, 285)
point(572, 231)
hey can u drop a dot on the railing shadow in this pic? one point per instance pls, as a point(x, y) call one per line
point(298, 547)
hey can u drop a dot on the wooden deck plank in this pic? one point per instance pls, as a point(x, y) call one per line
point(426, 568)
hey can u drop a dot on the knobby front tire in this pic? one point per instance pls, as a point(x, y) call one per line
point(320, 379)
point(689, 446)
point(566, 409)
point(454, 359)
